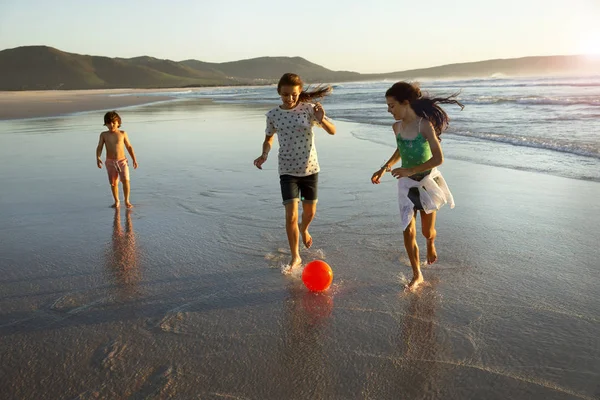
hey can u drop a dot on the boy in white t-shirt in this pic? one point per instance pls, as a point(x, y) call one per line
point(298, 167)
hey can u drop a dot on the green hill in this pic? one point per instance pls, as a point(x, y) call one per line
point(42, 67)
point(271, 69)
point(176, 69)
point(45, 68)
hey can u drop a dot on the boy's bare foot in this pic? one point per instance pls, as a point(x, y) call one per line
point(116, 204)
point(129, 205)
point(306, 238)
point(431, 253)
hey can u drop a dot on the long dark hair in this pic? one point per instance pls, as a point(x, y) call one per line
point(290, 79)
point(424, 106)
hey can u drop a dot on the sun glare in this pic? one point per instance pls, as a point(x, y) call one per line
point(591, 45)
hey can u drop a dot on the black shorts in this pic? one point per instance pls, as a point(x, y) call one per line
point(413, 193)
point(415, 197)
point(296, 188)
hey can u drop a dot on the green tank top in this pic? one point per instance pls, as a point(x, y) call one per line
point(413, 151)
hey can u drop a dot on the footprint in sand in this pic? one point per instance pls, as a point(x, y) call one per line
point(157, 385)
point(109, 355)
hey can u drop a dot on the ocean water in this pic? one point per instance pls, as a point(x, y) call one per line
point(183, 298)
point(549, 124)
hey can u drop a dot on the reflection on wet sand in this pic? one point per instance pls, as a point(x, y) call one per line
point(303, 357)
point(420, 344)
point(122, 257)
point(411, 370)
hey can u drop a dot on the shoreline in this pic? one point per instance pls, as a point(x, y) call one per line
point(194, 268)
point(23, 105)
point(50, 103)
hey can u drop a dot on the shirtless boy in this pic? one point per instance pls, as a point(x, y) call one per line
point(116, 141)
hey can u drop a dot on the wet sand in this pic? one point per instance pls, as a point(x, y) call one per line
point(182, 297)
point(47, 103)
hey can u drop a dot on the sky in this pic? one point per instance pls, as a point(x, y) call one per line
point(367, 36)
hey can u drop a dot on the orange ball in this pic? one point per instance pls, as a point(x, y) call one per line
point(317, 276)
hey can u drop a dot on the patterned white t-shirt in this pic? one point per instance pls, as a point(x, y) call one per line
point(297, 151)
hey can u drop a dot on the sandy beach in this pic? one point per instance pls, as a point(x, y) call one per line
point(183, 297)
point(32, 104)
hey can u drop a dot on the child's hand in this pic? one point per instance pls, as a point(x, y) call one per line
point(135, 164)
point(260, 161)
point(319, 112)
point(99, 163)
point(375, 179)
point(401, 172)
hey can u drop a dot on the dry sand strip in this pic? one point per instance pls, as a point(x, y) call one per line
point(30, 104)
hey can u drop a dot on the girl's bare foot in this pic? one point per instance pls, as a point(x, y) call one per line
point(295, 262)
point(129, 205)
point(116, 205)
point(287, 269)
point(431, 253)
point(306, 238)
point(416, 281)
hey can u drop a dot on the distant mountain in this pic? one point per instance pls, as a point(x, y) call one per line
point(43, 67)
point(175, 69)
point(271, 69)
point(526, 66)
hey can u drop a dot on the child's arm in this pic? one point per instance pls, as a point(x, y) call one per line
point(99, 151)
point(437, 157)
point(266, 147)
point(129, 148)
point(325, 123)
point(386, 167)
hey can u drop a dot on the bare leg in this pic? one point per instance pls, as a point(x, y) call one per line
point(308, 214)
point(126, 193)
point(410, 243)
point(428, 227)
point(293, 233)
point(114, 188)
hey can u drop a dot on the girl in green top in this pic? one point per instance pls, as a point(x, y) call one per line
point(419, 123)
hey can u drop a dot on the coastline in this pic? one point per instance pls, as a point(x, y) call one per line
point(49, 103)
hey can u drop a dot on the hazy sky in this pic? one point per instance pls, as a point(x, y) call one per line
point(362, 36)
